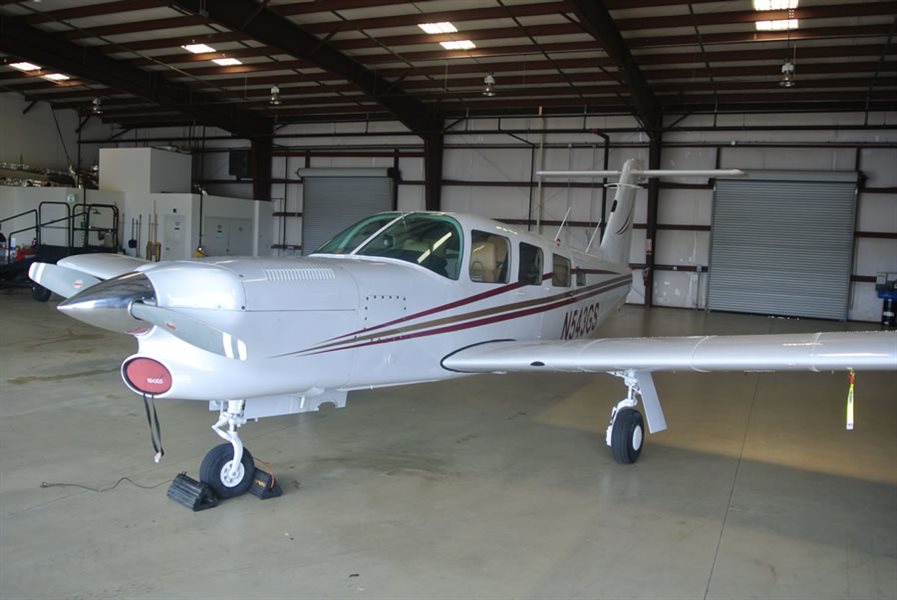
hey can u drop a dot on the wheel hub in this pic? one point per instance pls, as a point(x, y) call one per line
point(230, 476)
point(637, 437)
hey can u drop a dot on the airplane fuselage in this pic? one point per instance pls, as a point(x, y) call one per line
point(349, 321)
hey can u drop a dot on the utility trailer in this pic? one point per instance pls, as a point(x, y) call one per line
point(85, 228)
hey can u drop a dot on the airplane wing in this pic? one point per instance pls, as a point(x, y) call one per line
point(634, 359)
point(875, 350)
point(75, 273)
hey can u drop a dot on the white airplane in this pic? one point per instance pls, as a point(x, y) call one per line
point(401, 298)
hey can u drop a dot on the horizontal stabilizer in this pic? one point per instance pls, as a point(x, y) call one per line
point(648, 173)
point(871, 350)
point(60, 280)
point(191, 330)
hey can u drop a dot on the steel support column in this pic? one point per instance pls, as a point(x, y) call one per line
point(654, 149)
point(433, 149)
point(260, 160)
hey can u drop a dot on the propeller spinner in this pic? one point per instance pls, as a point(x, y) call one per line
point(126, 304)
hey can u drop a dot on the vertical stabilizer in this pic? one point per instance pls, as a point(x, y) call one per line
point(618, 233)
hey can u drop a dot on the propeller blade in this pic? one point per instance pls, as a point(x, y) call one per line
point(191, 330)
point(60, 280)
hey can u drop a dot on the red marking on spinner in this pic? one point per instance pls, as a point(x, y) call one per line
point(147, 375)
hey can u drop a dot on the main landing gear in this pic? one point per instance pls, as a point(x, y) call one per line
point(626, 431)
point(228, 469)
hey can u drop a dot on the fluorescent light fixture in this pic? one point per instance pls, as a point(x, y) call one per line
point(226, 62)
point(775, 4)
point(433, 28)
point(780, 25)
point(459, 45)
point(56, 77)
point(198, 48)
point(24, 66)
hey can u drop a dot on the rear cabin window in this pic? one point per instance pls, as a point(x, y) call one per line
point(580, 277)
point(489, 254)
point(560, 274)
point(530, 270)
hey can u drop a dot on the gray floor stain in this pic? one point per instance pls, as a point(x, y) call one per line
point(62, 376)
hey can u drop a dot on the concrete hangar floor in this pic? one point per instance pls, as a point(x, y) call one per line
point(488, 487)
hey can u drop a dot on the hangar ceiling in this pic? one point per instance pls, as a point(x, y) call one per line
point(372, 60)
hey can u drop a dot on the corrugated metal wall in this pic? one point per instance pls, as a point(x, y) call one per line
point(782, 244)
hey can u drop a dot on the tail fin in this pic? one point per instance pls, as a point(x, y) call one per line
point(618, 233)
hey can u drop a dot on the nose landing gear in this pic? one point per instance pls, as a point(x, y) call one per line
point(228, 469)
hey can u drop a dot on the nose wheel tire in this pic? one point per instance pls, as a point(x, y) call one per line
point(627, 436)
point(216, 471)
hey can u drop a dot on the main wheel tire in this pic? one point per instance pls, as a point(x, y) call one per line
point(40, 293)
point(627, 436)
point(212, 471)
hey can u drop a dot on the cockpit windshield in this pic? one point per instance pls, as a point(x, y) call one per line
point(347, 240)
point(431, 241)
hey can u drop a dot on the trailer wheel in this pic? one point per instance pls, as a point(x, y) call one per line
point(40, 293)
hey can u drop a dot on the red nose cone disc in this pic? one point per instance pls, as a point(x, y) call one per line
point(148, 376)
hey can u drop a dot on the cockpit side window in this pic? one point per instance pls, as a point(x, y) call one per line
point(346, 241)
point(489, 256)
point(431, 241)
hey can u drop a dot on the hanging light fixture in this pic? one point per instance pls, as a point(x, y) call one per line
point(275, 95)
point(97, 106)
point(489, 85)
point(787, 80)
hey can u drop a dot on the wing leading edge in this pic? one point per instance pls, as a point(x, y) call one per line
point(872, 350)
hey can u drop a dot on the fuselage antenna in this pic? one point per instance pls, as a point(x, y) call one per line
point(557, 236)
point(594, 233)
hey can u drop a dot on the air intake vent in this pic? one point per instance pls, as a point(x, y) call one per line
point(299, 274)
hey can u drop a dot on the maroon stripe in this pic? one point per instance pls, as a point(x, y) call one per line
point(480, 322)
point(628, 220)
point(430, 311)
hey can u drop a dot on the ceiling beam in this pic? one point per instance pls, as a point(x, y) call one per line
point(272, 29)
point(455, 16)
point(596, 20)
point(833, 11)
point(49, 50)
point(93, 10)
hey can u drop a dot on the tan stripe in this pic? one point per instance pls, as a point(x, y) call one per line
point(470, 315)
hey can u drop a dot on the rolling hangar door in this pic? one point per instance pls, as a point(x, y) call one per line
point(333, 199)
point(782, 243)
